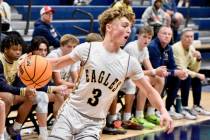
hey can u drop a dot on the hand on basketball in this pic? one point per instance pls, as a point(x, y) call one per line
point(166, 120)
point(30, 94)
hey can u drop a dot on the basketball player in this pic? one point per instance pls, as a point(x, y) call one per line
point(105, 67)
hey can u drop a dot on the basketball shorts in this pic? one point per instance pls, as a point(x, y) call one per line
point(128, 87)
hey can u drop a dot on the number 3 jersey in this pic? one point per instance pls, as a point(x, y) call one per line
point(103, 75)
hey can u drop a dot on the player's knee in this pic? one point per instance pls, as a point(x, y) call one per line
point(2, 105)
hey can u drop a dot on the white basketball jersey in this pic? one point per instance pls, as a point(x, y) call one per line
point(133, 49)
point(103, 76)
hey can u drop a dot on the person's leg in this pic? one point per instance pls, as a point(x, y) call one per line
point(2, 119)
point(185, 89)
point(172, 87)
point(196, 90)
point(8, 100)
point(41, 113)
point(23, 110)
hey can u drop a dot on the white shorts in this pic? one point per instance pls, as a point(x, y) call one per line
point(128, 87)
point(72, 125)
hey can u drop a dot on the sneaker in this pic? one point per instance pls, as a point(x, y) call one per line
point(14, 134)
point(129, 124)
point(112, 131)
point(186, 112)
point(153, 119)
point(117, 127)
point(199, 110)
point(143, 122)
point(174, 115)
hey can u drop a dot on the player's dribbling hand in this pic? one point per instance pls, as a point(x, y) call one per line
point(166, 120)
point(30, 94)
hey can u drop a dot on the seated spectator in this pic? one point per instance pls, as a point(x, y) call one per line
point(2, 119)
point(5, 12)
point(44, 27)
point(68, 75)
point(155, 16)
point(91, 37)
point(11, 94)
point(186, 57)
point(161, 54)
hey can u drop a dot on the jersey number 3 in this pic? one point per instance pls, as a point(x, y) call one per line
point(94, 101)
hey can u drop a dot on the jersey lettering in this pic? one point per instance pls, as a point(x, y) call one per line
point(93, 76)
point(94, 101)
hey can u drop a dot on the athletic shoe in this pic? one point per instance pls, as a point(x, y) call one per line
point(143, 122)
point(153, 119)
point(14, 134)
point(186, 112)
point(174, 115)
point(112, 131)
point(129, 124)
point(199, 110)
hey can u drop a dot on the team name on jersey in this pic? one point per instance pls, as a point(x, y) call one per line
point(103, 78)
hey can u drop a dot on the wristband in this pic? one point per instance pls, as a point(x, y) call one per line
point(50, 89)
point(22, 91)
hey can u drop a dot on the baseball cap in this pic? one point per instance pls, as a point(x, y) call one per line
point(46, 9)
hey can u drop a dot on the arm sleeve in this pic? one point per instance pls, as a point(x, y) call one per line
point(4, 86)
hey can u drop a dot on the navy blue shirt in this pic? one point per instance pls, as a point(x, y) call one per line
point(160, 56)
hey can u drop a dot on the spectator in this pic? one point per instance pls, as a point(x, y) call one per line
point(67, 75)
point(155, 16)
point(174, 17)
point(161, 54)
point(43, 27)
point(138, 49)
point(186, 57)
point(5, 12)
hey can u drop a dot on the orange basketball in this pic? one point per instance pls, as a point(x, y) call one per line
point(35, 71)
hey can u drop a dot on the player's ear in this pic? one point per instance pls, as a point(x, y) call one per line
point(108, 27)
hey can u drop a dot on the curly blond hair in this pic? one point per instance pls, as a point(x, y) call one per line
point(112, 13)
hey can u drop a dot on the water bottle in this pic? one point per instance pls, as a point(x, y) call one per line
point(178, 105)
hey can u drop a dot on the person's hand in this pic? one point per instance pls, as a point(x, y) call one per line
point(181, 73)
point(61, 89)
point(30, 94)
point(21, 60)
point(196, 54)
point(170, 12)
point(201, 76)
point(161, 71)
point(166, 120)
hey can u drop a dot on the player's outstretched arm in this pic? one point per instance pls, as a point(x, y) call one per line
point(157, 102)
point(58, 63)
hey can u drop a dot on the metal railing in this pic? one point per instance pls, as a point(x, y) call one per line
point(28, 17)
point(87, 14)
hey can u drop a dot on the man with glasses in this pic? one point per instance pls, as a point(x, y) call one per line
point(161, 54)
point(43, 27)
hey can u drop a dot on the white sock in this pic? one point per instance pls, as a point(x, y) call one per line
point(150, 111)
point(139, 114)
point(43, 131)
point(112, 117)
point(126, 116)
point(2, 136)
point(17, 126)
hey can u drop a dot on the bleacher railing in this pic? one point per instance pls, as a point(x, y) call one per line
point(28, 17)
point(90, 17)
